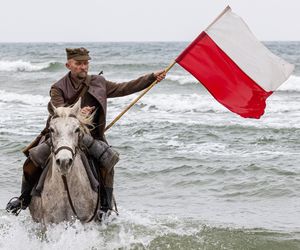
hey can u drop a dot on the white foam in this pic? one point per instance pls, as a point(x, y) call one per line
point(121, 233)
point(61, 236)
point(34, 100)
point(20, 65)
point(202, 108)
point(292, 84)
point(182, 79)
point(181, 103)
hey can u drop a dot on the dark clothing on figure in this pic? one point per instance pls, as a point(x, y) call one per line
point(65, 93)
point(91, 101)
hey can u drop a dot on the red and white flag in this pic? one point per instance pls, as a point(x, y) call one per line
point(237, 69)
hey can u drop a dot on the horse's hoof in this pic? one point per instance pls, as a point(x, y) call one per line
point(102, 216)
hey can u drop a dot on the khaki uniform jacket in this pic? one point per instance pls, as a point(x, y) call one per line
point(63, 92)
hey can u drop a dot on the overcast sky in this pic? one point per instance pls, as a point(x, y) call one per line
point(140, 20)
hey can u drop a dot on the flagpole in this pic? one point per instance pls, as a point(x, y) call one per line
point(218, 17)
point(137, 99)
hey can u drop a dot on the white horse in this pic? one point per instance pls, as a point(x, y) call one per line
point(67, 192)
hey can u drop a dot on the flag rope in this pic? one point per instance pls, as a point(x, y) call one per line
point(137, 99)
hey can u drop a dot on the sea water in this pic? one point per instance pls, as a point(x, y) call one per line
point(192, 175)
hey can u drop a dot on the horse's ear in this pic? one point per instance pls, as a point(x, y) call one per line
point(76, 107)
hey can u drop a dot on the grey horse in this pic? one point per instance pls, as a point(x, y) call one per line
point(65, 165)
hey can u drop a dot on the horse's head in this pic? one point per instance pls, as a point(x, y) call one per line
point(65, 130)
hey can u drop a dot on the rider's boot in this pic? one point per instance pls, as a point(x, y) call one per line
point(15, 205)
point(106, 203)
point(31, 175)
point(106, 199)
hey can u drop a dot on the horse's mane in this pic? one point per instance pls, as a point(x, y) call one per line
point(86, 121)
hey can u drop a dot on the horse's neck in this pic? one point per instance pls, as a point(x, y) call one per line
point(54, 206)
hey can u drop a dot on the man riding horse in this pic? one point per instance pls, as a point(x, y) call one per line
point(94, 91)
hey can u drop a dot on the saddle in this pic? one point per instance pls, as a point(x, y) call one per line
point(93, 153)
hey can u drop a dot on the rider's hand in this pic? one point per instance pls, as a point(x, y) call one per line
point(87, 110)
point(160, 75)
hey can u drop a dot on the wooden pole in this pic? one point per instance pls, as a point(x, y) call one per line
point(219, 16)
point(155, 82)
point(136, 99)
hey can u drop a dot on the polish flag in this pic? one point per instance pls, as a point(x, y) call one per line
point(237, 69)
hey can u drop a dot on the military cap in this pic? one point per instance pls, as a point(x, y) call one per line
point(78, 54)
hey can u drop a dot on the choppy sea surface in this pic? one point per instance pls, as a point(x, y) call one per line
point(192, 175)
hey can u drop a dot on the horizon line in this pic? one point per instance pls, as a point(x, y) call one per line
point(163, 41)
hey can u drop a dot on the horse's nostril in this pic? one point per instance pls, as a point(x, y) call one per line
point(57, 161)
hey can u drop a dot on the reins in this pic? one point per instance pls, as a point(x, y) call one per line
point(64, 179)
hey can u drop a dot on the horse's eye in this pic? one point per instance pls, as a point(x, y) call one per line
point(51, 130)
point(77, 130)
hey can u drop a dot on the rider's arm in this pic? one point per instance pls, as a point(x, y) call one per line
point(57, 97)
point(126, 88)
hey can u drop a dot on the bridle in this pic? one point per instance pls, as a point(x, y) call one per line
point(61, 148)
point(55, 151)
point(64, 178)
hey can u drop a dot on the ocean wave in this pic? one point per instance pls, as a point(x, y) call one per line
point(182, 79)
point(292, 84)
point(28, 99)
point(27, 66)
point(137, 231)
point(202, 108)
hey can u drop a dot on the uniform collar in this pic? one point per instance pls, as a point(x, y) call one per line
point(76, 82)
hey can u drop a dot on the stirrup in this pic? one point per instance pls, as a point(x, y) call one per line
point(15, 210)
